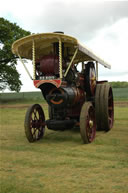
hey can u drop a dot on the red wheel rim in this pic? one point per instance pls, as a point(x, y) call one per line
point(91, 124)
point(37, 123)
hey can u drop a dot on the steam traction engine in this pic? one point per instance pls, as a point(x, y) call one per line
point(64, 71)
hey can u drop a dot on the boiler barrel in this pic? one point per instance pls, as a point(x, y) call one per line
point(62, 97)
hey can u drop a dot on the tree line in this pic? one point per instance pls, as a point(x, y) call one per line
point(119, 84)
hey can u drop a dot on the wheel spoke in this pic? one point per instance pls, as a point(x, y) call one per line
point(35, 115)
point(34, 135)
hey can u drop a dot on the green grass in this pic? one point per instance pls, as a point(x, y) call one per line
point(60, 162)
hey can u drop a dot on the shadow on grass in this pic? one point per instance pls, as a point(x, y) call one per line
point(72, 135)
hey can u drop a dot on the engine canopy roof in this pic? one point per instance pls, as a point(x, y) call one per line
point(44, 45)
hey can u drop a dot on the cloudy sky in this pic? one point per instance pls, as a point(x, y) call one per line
point(100, 25)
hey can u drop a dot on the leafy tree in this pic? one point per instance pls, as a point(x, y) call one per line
point(9, 77)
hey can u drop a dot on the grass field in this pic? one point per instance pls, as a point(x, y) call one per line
point(60, 163)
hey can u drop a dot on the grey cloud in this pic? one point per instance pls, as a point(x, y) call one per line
point(80, 19)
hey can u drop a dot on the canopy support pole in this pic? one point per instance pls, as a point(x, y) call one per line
point(25, 66)
point(71, 62)
point(96, 70)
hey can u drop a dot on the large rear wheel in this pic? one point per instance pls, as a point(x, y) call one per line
point(34, 123)
point(87, 122)
point(104, 107)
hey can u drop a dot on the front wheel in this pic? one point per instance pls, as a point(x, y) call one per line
point(34, 123)
point(87, 123)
